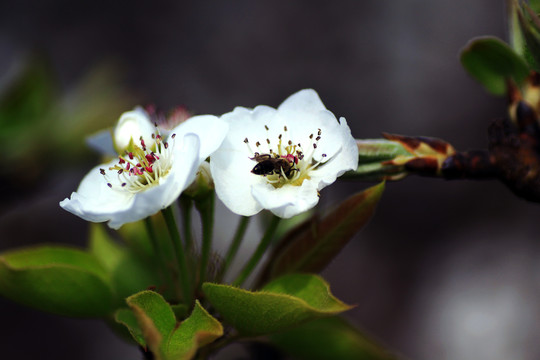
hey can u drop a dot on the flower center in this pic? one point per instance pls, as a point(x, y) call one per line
point(142, 167)
point(285, 162)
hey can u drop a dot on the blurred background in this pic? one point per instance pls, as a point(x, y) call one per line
point(445, 270)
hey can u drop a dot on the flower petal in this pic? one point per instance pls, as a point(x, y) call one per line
point(94, 200)
point(210, 130)
point(288, 200)
point(304, 101)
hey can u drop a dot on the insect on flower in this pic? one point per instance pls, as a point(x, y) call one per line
point(268, 164)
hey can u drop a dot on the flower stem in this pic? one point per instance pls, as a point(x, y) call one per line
point(259, 252)
point(205, 206)
point(167, 269)
point(235, 245)
point(186, 204)
point(185, 282)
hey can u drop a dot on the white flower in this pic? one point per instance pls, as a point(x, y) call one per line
point(279, 159)
point(145, 178)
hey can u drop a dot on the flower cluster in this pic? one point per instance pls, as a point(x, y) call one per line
point(261, 158)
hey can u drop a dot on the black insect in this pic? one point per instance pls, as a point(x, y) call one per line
point(268, 164)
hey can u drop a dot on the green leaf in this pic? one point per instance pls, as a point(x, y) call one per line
point(529, 26)
point(151, 322)
point(127, 318)
point(56, 279)
point(180, 311)
point(329, 338)
point(104, 247)
point(155, 319)
point(284, 303)
point(198, 330)
point(492, 62)
point(129, 272)
point(316, 243)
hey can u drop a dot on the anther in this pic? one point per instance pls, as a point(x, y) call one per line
point(120, 171)
point(102, 171)
point(266, 127)
point(319, 132)
point(314, 146)
point(317, 138)
point(166, 144)
point(257, 144)
point(268, 141)
point(123, 184)
point(173, 136)
point(285, 128)
point(246, 140)
point(311, 136)
point(109, 185)
point(290, 142)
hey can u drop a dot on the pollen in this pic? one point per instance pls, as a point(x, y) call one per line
point(141, 167)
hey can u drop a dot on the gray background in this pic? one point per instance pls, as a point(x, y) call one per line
point(445, 270)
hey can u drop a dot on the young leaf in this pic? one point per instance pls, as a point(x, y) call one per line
point(377, 150)
point(284, 303)
point(56, 279)
point(198, 330)
point(315, 245)
point(492, 62)
point(328, 338)
point(155, 319)
point(529, 26)
point(127, 318)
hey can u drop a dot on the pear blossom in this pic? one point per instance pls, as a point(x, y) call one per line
point(149, 173)
point(279, 159)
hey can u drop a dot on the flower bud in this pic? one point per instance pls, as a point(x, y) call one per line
point(131, 127)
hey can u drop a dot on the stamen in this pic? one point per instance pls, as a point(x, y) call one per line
point(142, 167)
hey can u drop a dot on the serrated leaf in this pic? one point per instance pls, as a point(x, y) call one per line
point(198, 330)
point(127, 318)
point(56, 279)
point(155, 318)
point(284, 303)
point(312, 248)
point(329, 338)
point(492, 62)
